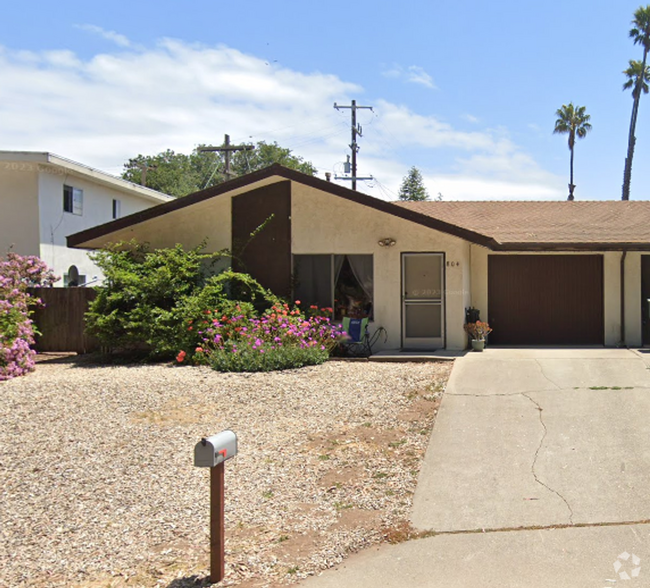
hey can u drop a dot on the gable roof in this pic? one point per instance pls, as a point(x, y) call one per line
point(272, 174)
point(500, 226)
point(611, 224)
point(52, 161)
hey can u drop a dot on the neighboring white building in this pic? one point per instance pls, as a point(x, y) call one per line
point(45, 197)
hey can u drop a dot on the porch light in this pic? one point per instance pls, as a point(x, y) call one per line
point(387, 242)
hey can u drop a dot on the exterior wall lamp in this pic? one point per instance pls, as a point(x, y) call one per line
point(387, 242)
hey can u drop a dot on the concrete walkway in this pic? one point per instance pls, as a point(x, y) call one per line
point(537, 475)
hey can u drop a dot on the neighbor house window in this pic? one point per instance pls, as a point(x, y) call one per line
point(117, 206)
point(73, 200)
point(341, 282)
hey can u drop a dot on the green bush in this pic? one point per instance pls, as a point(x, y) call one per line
point(152, 298)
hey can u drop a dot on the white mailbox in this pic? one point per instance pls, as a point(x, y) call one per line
point(211, 451)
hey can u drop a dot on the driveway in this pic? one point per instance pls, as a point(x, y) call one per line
point(537, 474)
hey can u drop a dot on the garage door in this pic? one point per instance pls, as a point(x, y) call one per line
point(545, 299)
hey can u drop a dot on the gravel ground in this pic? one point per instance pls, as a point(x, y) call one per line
point(99, 490)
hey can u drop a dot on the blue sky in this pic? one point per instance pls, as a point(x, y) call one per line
point(465, 91)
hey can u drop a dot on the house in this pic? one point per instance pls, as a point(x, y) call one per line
point(555, 273)
point(44, 197)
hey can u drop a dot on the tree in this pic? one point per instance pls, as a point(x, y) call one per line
point(266, 154)
point(640, 33)
point(178, 174)
point(412, 187)
point(574, 121)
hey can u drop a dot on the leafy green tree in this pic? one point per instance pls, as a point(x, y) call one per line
point(178, 174)
point(412, 187)
point(640, 34)
point(266, 154)
point(574, 121)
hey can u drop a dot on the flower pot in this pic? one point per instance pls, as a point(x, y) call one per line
point(478, 344)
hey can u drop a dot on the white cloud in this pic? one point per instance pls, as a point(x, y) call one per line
point(103, 110)
point(469, 118)
point(413, 74)
point(117, 38)
point(417, 75)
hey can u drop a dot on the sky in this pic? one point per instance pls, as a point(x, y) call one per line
point(465, 91)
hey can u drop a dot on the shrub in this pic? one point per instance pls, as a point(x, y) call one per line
point(281, 338)
point(17, 273)
point(137, 308)
point(153, 299)
point(265, 360)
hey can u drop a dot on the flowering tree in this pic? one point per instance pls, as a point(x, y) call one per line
point(17, 273)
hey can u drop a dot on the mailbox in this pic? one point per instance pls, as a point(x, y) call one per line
point(211, 451)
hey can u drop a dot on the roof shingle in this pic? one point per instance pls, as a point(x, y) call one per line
point(511, 222)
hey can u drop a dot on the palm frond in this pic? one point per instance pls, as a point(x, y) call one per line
point(640, 31)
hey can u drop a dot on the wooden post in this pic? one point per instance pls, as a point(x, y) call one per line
point(217, 524)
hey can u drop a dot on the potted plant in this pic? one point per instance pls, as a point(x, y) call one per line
point(478, 331)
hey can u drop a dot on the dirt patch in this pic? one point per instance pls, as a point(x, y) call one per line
point(179, 412)
point(346, 476)
point(420, 410)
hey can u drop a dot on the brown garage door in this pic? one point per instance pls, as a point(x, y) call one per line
point(545, 299)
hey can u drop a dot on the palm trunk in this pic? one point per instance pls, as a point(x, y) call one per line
point(571, 185)
point(636, 94)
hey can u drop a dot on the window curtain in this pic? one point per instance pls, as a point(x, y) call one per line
point(362, 269)
point(338, 264)
point(313, 281)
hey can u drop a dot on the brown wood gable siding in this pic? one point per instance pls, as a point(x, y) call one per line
point(267, 256)
point(546, 299)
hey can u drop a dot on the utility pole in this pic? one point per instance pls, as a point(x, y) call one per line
point(357, 131)
point(144, 168)
point(228, 149)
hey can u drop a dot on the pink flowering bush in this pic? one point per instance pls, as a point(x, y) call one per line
point(17, 273)
point(279, 338)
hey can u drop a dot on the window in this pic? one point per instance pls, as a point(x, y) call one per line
point(341, 282)
point(72, 278)
point(73, 200)
point(116, 208)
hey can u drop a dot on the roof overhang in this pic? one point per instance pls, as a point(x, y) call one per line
point(56, 162)
point(565, 246)
point(269, 175)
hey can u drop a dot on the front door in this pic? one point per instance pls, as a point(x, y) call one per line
point(645, 297)
point(423, 304)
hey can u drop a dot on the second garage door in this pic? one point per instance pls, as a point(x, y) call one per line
point(545, 299)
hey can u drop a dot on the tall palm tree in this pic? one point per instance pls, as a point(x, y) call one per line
point(640, 33)
point(636, 79)
point(574, 121)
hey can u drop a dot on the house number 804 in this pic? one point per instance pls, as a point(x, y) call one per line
point(453, 264)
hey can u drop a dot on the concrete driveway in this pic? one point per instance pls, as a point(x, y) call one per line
point(537, 474)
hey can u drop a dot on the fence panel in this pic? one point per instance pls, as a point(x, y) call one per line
point(61, 321)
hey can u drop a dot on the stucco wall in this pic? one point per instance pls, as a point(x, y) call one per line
point(208, 220)
point(611, 290)
point(633, 302)
point(19, 208)
point(322, 223)
point(55, 224)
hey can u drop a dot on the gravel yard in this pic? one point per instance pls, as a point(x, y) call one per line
point(98, 487)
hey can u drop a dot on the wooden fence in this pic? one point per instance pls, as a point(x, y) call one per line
point(61, 320)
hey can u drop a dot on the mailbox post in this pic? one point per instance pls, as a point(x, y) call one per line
point(212, 452)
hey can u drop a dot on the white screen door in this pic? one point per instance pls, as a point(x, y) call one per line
point(423, 304)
